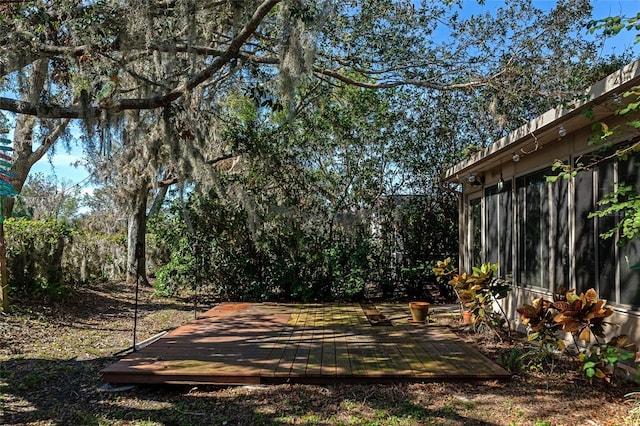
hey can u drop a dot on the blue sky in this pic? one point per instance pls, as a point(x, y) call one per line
point(61, 163)
point(605, 8)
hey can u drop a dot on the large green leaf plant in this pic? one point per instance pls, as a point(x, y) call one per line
point(479, 292)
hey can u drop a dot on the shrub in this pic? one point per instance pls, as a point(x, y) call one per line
point(583, 317)
point(48, 258)
point(600, 360)
point(479, 292)
point(92, 256)
point(34, 256)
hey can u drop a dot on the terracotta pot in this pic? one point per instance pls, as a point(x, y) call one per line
point(466, 317)
point(419, 311)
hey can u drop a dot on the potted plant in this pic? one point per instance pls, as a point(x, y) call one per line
point(463, 287)
point(477, 293)
point(444, 270)
point(419, 311)
point(467, 317)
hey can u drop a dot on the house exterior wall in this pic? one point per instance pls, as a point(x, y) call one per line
point(547, 242)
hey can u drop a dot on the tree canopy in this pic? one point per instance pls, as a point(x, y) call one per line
point(329, 104)
point(163, 51)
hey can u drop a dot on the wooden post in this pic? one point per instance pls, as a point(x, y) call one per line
point(4, 282)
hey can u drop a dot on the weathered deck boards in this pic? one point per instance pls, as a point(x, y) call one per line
point(242, 343)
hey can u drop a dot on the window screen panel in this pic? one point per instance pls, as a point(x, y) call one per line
point(606, 248)
point(476, 231)
point(629, 173)
point(534, 227)
point(560, 234)
point(585, 233)
point(499, 225)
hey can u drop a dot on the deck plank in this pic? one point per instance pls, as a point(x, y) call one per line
point(246, 343)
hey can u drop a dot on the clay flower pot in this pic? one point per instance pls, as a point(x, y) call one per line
point(419, 311)
point(466, 317)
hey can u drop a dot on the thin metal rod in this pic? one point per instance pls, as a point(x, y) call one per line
point(135, 314)
point(135, 311)
point(4, 279)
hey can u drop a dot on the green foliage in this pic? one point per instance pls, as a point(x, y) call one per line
point(178, 270)
point(469, 150)
point(349, 266)
point(582, 316)
point(216, 254)
point(49, 258)
point(287, 256)
point(624, 203)
point(412, 233)
point(479, 292)
point(523, 358)
point(632, 106)
point(444, 269)
point(565, 171)
point(612, 25)
point(308, 212)
point(600, 360)
point(34, 257)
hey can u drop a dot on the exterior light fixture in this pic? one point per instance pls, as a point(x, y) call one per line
point(562, 131)
point(500, 186)
point(515, 157)
point(474, 180)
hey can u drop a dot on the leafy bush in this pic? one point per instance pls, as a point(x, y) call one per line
point(583, 317)
point(522, 358)
point(479, 292)
point(600, 360)
point(48, 258)
point(413, 232)
point(91, 256)
point(34, 256)
point(283, 253)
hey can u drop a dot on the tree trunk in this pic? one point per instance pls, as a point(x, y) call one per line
point(24, 155)
point(136, 241)
point(158, 200)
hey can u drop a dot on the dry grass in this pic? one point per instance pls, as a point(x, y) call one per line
point(51, 355)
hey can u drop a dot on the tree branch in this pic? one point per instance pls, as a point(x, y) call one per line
point(167, 182)
point(64, 50)
point(159, 100)
point(45, 110)
point(221, 158)
point(231, 52)
point(49, 141)
point(398, 83)
point(158, 200)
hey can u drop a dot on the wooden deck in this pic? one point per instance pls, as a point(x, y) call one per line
point(242, 343)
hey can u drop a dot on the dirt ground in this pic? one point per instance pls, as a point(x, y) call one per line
point(51, 355)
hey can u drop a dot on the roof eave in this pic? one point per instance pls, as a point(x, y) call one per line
point(549, 122)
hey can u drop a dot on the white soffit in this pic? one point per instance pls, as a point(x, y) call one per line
point(544, 128)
